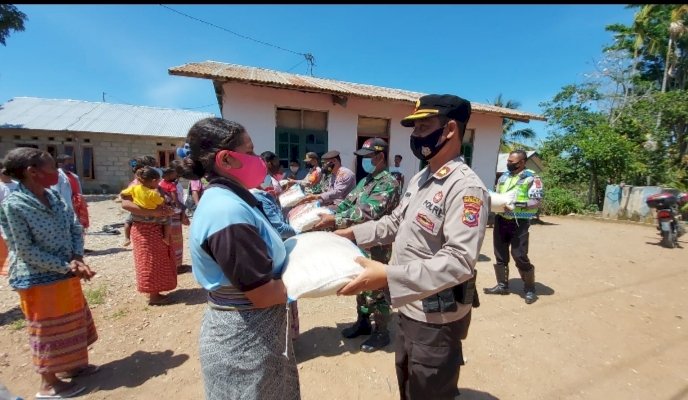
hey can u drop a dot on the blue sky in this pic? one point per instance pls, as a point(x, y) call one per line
point(525, 52)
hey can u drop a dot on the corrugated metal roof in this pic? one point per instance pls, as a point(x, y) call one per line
point(266, 77)
point(85, 116)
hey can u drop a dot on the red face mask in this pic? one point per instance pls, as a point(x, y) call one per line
point(47, 179)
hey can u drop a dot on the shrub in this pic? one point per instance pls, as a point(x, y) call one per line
point(560, 201)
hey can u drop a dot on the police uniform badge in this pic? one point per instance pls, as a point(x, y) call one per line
point(442, 172)
point(471, 211)
point(437, 197)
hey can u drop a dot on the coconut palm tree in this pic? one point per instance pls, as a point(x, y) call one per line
point(512, 138)
point(677, 29)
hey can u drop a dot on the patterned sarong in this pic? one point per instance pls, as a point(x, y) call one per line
point(60, 325)
point(155, 268)
point(177, 240)
point(242, 355)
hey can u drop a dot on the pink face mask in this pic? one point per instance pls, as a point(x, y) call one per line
point(252, 171)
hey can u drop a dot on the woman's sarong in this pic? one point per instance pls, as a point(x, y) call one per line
point(177, 240)
point(242, 355)
point(155, 268)
point(60, 325)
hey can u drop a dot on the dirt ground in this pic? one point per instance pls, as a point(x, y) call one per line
point(610, 324)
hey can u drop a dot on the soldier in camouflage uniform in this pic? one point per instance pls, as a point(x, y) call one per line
point(375, 195)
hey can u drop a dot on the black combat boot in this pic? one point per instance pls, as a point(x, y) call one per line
point(529, 285)
point(376, 341)
point(380, 336)
point(502, 287)
point(360, 327)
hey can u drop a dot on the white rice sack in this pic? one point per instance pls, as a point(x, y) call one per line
point(306, 220)
point(301, 208)
point(318, 264)
point(500, 200)
point(290, 197)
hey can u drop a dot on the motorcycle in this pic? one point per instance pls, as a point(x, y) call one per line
point(669, 222)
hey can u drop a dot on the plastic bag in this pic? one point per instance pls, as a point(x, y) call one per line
point(301, 208)
point(500, 200)
point(291, 197)
point(303, 219)
point(319, 264)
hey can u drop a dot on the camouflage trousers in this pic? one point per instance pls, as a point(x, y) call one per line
point(374, 305)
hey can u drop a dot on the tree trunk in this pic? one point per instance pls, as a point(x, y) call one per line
point(590, 187)
point(666, 65)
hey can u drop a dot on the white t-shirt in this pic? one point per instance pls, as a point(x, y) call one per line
point(6, 189)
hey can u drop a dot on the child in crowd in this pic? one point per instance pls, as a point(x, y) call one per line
point(168, 184)
point(127, 230)
point(145, 195)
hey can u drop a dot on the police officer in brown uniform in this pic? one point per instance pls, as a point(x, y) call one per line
point(437, 229)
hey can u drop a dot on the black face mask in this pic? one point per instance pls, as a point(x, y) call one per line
point(425, 148)
point(329, 167)
point(512, 166)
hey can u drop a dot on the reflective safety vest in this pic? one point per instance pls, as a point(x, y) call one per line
point(527, 186)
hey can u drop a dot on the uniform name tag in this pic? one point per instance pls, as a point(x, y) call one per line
point(428, 222)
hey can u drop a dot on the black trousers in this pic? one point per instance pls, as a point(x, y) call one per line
point(514, 233)
point(429, 357)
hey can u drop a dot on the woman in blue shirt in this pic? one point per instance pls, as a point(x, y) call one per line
point(238, 257)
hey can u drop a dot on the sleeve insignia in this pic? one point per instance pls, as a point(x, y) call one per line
point(471, 211)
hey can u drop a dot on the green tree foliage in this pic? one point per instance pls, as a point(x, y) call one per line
point(628, 124)
point(11, 19)
point(512, 138)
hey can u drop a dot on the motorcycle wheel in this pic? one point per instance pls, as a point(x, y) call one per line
point(669, 239)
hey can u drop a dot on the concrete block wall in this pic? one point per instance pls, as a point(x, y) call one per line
point(628, 203)
point(111, 152)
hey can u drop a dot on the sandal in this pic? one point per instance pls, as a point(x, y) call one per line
point(68, 391)
point(90, 369)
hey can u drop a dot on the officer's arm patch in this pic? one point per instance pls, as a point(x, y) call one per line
point(471, 211)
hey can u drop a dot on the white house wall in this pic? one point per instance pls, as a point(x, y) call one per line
point(255, 108)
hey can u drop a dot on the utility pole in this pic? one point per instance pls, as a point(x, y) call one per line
point(103, 97)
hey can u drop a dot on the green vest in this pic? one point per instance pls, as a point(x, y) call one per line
point(521, 184)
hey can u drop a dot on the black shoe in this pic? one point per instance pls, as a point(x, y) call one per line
point(531, 297)
point(375, 342)
point(360, 327)
point(500, 288)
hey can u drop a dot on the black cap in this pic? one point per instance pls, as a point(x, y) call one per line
point(372, 146)
point(330, 154)
point(453, 107)
point(311, 156)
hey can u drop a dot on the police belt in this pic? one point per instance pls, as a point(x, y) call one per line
point(447, 299)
